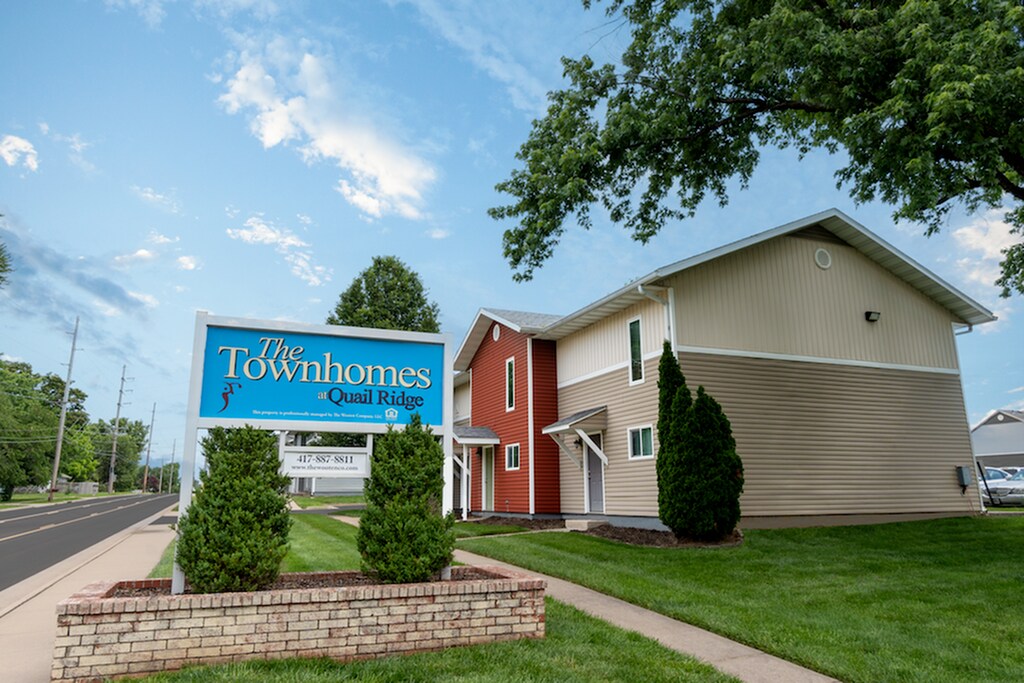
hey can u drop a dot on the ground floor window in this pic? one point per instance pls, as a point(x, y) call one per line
point(512, 456)
point(641, 442)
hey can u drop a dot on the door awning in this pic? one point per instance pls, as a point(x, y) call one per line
point(475, 436)
point(589, 420)
point(578, 425)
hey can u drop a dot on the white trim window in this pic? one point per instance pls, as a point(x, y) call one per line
point(510, 384)
point(512, 456)
point(636, 352)
point(641, 442)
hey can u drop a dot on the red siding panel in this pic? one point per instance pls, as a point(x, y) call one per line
point(545, 412)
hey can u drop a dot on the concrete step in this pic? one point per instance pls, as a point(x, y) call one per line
point(583, 524)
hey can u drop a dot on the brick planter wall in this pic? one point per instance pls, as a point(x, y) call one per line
point(102, 637)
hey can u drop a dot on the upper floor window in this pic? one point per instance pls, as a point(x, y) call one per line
point(641, 442)
point(512, 456)
point(510, 384)
point(636, 356)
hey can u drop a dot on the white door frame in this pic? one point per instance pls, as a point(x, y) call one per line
point(587, 452)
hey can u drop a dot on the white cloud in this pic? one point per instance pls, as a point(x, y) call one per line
point(151, 11)
point(438, 233)
point(1015, 391)
point(76, 145)
point(145, 299)
point(137, 256)
point(304, 219)
point(162, 201)
point(288, 244)
point(14, 150)
point(494, 42)
point(292, 97)
point(984, 239)
point(187, 263)
point(261, 9)
point(157, 238)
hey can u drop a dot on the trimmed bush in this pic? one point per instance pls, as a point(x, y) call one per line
point(700, 475)
point(235, 533)
point(403, 537)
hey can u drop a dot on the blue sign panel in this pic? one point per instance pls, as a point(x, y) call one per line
point(274, 375)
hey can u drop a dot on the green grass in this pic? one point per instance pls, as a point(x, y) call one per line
point(305, 502)
point(318, 543)
point(20, 499)
point(577, 648)
point(925, 601)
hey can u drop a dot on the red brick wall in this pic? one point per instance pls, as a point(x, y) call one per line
point(100, 637)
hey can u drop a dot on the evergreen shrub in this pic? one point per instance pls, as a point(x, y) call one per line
point(403, 537)
point(700, 475)
point(235, 533)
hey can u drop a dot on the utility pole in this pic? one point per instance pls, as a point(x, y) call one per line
point(117, 424)
point(149, 445)
point(63, 415)
point(170, 472)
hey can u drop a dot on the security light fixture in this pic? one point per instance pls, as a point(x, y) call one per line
point(872, 316)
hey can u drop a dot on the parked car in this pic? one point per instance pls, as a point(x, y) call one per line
point(1009, 491)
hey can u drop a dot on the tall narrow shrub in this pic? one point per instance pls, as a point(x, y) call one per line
point(403, 537)
point(713, 473)
point(673, 403)
point(235, 533)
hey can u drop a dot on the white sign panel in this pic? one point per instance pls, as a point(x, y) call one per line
point(325, 462)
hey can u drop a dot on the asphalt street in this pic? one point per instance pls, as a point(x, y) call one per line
point(39, 536)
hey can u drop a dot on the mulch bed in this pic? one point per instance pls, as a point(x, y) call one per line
point(642, 537)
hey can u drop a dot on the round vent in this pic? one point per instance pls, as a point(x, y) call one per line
point(496, 332)
point(823, 259)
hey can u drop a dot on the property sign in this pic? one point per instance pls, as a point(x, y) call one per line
point(325, 462)
point(277, 377)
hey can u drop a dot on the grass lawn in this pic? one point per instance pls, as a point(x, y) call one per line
point(577, 647)
point(922, 601)
point(473, 529)
point(20, 499)
point(305, 502)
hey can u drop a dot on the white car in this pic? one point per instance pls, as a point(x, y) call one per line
point(1009, 491)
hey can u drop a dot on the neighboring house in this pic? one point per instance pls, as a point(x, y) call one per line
point(998, 439)
point(832, 353)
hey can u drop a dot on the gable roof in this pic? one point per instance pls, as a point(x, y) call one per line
point(999, 437)
point(833, 221)
point(518, 321)
point(836, 222)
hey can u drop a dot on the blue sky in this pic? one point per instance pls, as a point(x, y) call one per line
point(250, 157)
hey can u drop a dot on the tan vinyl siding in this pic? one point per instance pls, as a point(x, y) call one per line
point(463, 401)
point(825, 439)
point(605, 344)
point(772, 298)
point(816, 439)
point(627, 483)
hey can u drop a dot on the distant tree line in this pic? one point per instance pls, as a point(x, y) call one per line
point(29, 417)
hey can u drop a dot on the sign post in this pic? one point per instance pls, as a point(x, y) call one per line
point(324, 378)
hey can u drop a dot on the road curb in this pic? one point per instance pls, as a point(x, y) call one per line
point(15, 596)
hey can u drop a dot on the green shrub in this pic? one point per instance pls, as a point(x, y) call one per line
point(403, 537)
point(235, 533)
point(673, 403)
point(700, 475)
point(713, 472)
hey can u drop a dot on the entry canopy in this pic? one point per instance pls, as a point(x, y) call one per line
point(475, 436)
point(589, 420)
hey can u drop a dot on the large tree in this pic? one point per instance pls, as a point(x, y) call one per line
point(926, 98)
point(131, 441)
point(387, 295)
point(28, 428)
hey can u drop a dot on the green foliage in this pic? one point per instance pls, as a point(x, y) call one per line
point(700, 475)
point(926, 98)
point(387, 295)
point(28, 428)
point(235, 533)
point(131, 442)
point(5, 264)
point(403, 537)
point(708, 505)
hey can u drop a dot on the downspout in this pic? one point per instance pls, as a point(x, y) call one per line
point(977, 465)
point(529, 413)
point(665, 298)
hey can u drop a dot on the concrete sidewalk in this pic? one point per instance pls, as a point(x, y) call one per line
point(28, 610)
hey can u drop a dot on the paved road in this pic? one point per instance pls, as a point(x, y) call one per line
point(39, 536)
